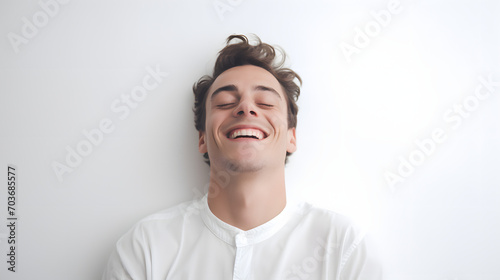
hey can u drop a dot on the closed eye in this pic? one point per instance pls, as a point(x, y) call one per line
point(266, 105)
point(225, 105)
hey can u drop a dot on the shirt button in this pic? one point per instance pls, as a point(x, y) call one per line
point(241, 239)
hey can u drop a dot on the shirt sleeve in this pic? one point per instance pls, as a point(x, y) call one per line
point(360, 261)
point(129, 259)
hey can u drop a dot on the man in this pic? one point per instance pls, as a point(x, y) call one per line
point(244, 228)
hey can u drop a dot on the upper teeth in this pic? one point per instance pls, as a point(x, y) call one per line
point(246, 132)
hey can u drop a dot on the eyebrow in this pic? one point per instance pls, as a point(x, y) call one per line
point(234, 88)
point(224, 88)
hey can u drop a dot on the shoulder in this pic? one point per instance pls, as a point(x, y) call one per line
point(320, 218)
point(153, 237)
point(165, 222)
point(350, 242)
point(334, 228)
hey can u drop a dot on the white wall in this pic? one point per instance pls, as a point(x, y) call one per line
point(360, 115)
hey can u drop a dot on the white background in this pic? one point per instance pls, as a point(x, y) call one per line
point(360, 115)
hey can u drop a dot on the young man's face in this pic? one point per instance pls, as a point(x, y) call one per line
point(246, 126)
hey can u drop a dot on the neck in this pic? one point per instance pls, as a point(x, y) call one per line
point(246, 200)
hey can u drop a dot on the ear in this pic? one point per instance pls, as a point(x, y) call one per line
point(202, 144)
point(292, 141)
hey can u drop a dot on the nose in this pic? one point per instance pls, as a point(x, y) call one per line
point(245, 108)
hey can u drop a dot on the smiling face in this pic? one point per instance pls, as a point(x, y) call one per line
point(246, 126)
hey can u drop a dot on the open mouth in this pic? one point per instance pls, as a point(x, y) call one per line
point(246, 133)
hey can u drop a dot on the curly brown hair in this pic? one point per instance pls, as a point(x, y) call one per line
point(243, 53)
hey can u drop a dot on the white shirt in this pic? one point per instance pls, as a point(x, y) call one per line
point(189, 242)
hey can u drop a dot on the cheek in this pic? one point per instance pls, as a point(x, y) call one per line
point(213, 122)
point(279, 119)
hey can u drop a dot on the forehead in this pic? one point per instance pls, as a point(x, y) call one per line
point(246, 76)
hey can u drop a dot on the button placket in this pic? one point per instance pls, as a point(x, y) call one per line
point(243, 258)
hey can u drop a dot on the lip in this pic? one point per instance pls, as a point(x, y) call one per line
point(246, 127)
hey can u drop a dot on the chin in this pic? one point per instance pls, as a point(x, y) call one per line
point(243, 165)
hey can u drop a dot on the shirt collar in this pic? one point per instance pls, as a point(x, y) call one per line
point(238, 237)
